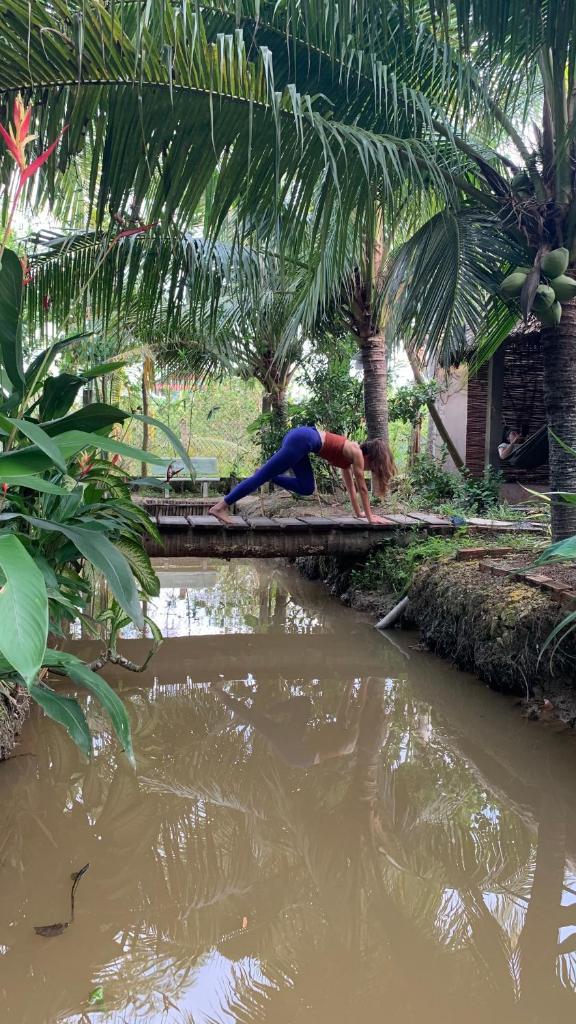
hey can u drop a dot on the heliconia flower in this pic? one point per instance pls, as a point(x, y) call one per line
point(135, 231)
point(85, 464)
point(17, 137)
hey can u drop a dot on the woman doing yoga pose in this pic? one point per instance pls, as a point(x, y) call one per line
point(350, 458)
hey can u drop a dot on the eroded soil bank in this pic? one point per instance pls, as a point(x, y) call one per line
point(13, 710)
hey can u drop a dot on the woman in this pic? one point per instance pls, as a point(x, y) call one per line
point(512, 440)
point(350, 458)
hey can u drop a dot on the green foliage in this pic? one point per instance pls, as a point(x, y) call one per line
point(335, 399)
point(210, 417)
point(334, 402)
point(408, 403)
point(433, 487)
point(73, 517)
point(430, 483)
point(23, 609)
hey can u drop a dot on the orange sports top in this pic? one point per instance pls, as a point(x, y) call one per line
point(333, 451)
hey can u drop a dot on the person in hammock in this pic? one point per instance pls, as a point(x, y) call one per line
point(512, 441)
point(352, 459)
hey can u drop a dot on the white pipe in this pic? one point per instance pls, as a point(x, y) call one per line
point(393, 615)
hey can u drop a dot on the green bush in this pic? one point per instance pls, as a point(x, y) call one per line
point(431, 487)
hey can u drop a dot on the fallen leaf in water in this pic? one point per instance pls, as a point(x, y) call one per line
point(48, 930)
point(96, 995)
point(244, 922)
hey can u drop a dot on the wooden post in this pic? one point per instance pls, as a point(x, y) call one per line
point(494, 408)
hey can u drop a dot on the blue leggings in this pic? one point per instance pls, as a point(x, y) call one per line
point(294, 454)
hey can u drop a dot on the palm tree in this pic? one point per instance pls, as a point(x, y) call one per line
point(159, 96)
point(247, 337)
point(517, 206)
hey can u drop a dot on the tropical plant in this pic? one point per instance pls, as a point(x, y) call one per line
point(61, 508)
point(408, 402)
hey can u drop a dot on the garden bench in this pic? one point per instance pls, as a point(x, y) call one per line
point(205, 472)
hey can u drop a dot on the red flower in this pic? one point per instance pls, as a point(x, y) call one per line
point(135, 231)
point(17, 138)
point(85, 464)
point(5, 488)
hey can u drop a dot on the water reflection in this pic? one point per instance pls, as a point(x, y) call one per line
point(235, 597)
point(374, 839)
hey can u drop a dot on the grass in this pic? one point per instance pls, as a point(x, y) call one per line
point(392, 568)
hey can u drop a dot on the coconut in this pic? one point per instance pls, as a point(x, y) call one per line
point(513, 284)
point(552, 315)
point(564, 287)
point(543, 298)
point(555, 263)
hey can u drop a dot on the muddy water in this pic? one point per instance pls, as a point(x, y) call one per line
point(324, 827)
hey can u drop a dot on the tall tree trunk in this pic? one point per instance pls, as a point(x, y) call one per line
point(373, 352)
point(278, 405)
point(145, 426)
point(559, 345)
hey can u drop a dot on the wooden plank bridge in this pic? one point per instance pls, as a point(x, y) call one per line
point(262, 537)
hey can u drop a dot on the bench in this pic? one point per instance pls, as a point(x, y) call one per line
point(205, 472)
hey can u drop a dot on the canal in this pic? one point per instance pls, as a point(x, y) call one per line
point(325, 825)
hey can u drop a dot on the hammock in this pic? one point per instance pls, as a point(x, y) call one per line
point(532, 452)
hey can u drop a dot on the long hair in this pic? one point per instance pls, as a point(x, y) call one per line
point(381, 464)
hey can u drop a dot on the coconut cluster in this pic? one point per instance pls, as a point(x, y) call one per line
point(555, 287)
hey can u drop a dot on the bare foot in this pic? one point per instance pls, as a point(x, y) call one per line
point(220, 511)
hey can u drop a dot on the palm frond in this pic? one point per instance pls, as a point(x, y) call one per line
point(439, 284)
point(161, 104)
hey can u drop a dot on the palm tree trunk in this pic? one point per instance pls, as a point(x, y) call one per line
point(373, 352)
point(559, 345)
point(278, 405)
point(145, 427)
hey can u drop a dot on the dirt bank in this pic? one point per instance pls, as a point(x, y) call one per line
point(337, 574)
point(13, 711)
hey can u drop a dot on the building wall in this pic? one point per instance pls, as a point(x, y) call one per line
point(453, 409)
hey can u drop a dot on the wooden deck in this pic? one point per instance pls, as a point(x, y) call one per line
point(261, 537)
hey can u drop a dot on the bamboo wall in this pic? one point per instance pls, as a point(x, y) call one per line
point(522, 404)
